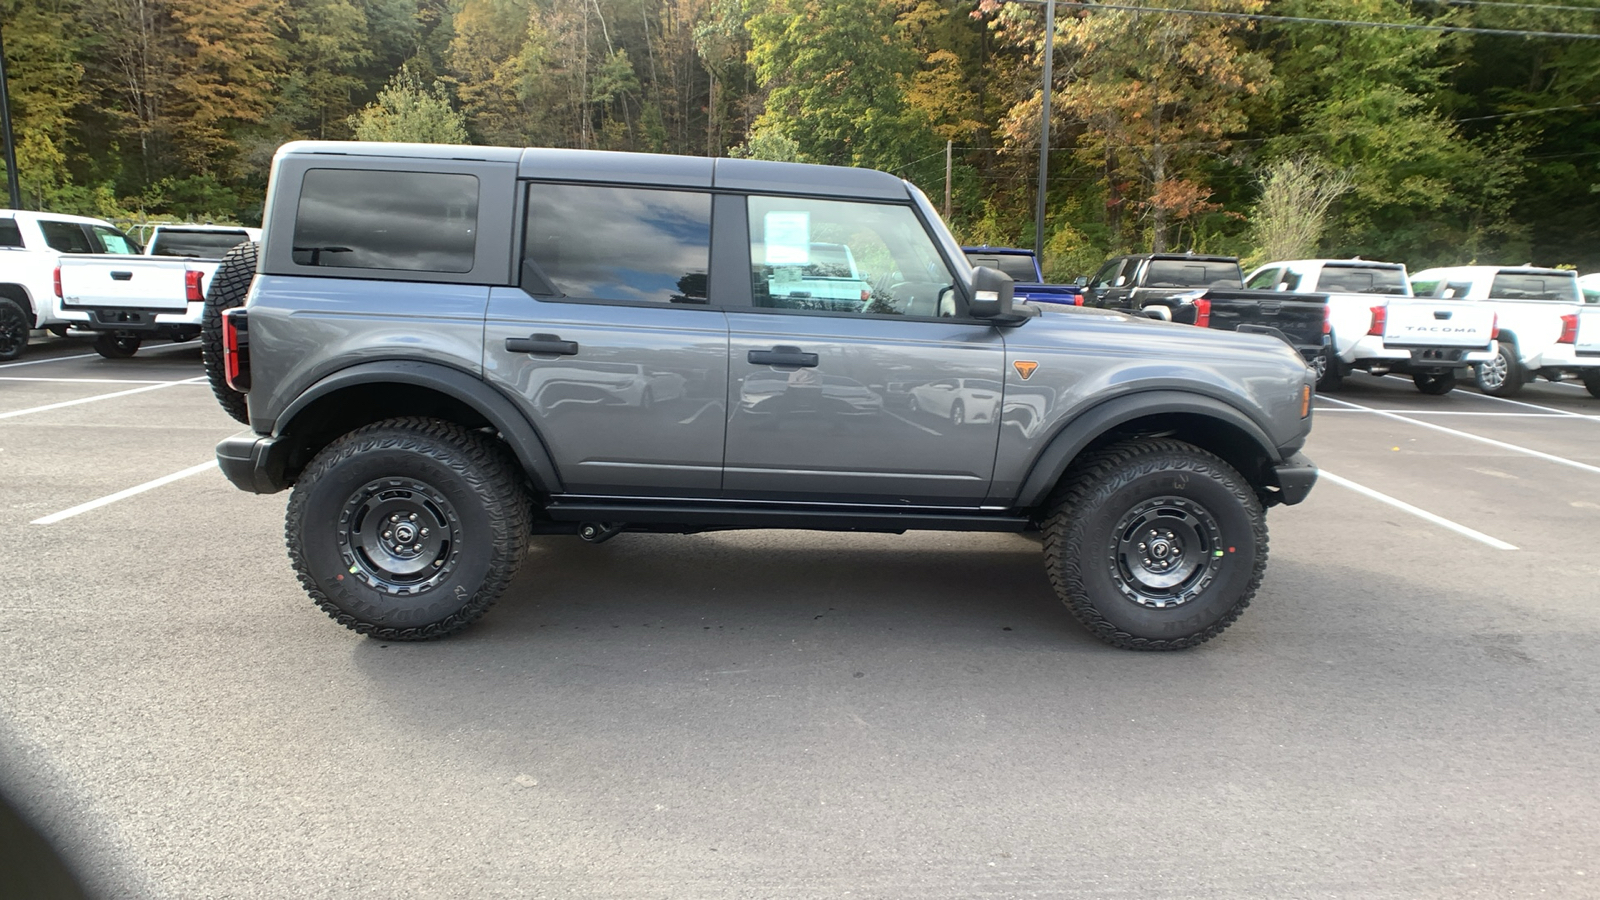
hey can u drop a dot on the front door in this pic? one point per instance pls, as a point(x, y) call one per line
point(875, 394)
point(612, 344)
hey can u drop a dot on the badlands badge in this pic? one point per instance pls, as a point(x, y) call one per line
point(1025, 368)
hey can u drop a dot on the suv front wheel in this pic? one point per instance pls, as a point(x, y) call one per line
point(1156, 545)
point(408, 529)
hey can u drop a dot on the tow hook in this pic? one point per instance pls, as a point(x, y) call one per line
point(600, 532)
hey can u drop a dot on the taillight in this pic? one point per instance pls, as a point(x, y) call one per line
point(192, 286)
point(1380, 315)
point(1494, 330)
point(1569, 329)
point(58, 281)
point(1327, 320)
point(1202, 312)
point(236, 349)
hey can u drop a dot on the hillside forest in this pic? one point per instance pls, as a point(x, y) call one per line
point(1258, 137)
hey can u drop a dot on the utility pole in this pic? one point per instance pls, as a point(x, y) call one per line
point(5, 124)
point(947, 147)
point(1044, 126)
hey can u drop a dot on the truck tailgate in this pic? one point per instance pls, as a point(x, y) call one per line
point(123, 282)
point(1589, 330)
point(1437, 323)
point(1298, 316)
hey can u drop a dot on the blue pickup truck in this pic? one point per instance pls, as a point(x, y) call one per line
point(1023, 267)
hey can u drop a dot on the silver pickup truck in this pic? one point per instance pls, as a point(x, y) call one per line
point(443, 350)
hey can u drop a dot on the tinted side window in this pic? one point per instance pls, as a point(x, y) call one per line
point(199, 244)
point(412, 221)
point(612, 243)
point(113, 241)
point(1264, 279)
point(10, 234)
point(65, 237)
point(1169, 273)
point(1534, 287)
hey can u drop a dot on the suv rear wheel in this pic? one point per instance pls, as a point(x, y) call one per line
point(1156, 545)
point(408, 529)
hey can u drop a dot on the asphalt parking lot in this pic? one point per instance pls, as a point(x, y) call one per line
point(1409, 709)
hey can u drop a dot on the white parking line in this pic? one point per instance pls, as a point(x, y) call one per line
point(122, 495)
point(1552, 409)
point(87, 380)
point(1435, 412)
point(40, 362)
point(1470, 436)
point(138, 390)
point(1441, 521)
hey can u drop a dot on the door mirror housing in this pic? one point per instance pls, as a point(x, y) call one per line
point(992, 291)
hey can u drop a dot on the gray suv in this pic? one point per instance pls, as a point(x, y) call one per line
point(444, 350)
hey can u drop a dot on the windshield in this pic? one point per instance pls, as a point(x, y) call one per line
point(1363, 280)
point(1191, 273)
point(1561, 287)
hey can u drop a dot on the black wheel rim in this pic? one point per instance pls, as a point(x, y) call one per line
point(1165, 551)
point(13, 331)
point(400, 536)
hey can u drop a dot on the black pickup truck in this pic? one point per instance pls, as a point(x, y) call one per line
point(1208, 291)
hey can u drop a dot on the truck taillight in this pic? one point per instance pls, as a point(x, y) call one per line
point(1327, 320)
point(1202, 312)
point(58, 281)
point(193, 287)
point(1380, 315)
point(1494, 329)
point(1569, 329)
point(236, 349)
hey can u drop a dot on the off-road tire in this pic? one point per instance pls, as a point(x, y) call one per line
point(1591, 381)
point(229, 287)
point(464, 483)
point(116, 346)
point(1513, 377)
point(14, 327)
point(1435, 383)
point(1085, 534)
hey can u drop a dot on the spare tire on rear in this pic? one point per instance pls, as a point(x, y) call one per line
point(229, 287)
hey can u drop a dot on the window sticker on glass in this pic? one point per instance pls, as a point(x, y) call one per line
point(788, 238)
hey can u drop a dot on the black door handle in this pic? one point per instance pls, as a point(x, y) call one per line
point(783, 356)
point(542, 345)
point(121, 276)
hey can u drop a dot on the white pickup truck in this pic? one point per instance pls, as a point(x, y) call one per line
point(31, 244)
point(1545, 327)
point(160, 294)
point(1377, 325)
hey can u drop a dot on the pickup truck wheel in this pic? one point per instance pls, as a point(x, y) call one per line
point(1591, 380)
point(1155, 545)
point(1330, 372)
point(229, 287)
point(14, 326)
point(407, 529)
point(1502, 376)
point(1436, 383)
point(116, 346)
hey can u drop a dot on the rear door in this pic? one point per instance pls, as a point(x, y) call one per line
point(864, 405)
point(613, 343)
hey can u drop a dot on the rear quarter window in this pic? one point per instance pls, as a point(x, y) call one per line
point(10, 234)
point(404, 221)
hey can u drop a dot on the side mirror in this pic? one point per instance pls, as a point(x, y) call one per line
point(992, 291)
point(1081, 281)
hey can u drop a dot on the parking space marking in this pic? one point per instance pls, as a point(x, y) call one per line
point(138, 390)
point(84, 380)
point(1441, 521)
point(40, 362)
point(1436, 412)
point(124, 494)
point(1470, 436)
point(1550, 409)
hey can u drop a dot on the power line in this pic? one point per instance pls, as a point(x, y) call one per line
point(1352, 23)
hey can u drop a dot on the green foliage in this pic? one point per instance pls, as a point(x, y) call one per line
point(771, 144)
point(407, 111)
point(1289, 219)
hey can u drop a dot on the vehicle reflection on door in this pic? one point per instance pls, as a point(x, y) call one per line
point(602, 383)
point(960, 400)
point(805, 393)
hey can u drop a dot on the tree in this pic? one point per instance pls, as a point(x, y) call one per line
point(1296, 193)
point(406, 111)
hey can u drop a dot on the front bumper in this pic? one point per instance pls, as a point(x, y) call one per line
point(1295, 476)
point(254, 462)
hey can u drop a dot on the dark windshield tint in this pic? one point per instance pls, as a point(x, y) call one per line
point(1509, 286)
point(10, 234)
point(1361, 280)
point(606, 243)
point(1187, 273)
point(414, 221)
point(199, 244)
point(1020, 268)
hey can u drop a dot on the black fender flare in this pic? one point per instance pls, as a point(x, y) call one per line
point(1082, 430)
point(498, 410)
